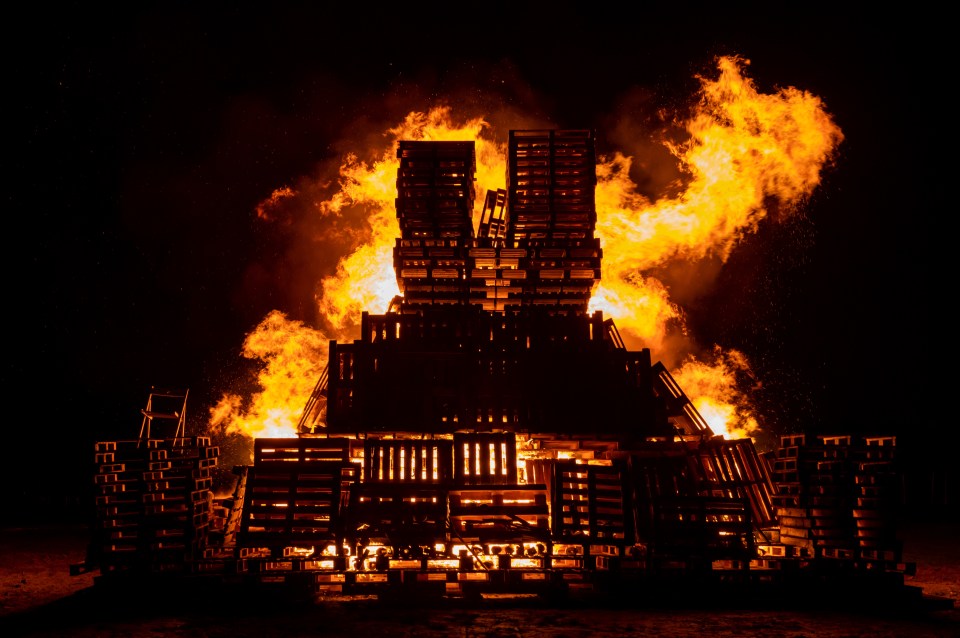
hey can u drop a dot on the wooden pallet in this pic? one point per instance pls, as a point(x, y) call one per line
point(294, 504)
point(592, 504)
point(400, 515)
point(484, 458)
point(700, 530)
point(500, 513)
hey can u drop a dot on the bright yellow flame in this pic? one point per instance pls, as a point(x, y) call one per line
point(294, 356)
point(745, 150)
point(713, 390)
point(365, 279)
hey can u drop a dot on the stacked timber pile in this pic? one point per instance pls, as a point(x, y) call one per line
point(490, 433)
point(153, 503)
point(535, 242)
point(294, 497)
point(551, 217)
point(455, 513)
point(837, 504)
point(442, 369)
point(435, 196)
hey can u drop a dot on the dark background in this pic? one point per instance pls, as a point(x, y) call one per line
point(141, 140)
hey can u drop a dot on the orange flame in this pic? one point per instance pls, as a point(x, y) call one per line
point(295, 356)
point(365, 280)
point(744, 149)
point(714, 391)
point(264, 208)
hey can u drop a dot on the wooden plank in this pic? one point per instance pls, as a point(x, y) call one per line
point(703, 528)
point(403, 514)
point(302, 450)
point(514, 513)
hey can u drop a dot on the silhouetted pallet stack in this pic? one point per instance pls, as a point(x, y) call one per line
point(435, 196)
point(504, 514)
point(550, 185)
point(401, 499)
point(441, 369)
point(813, 502)
point(551, 214)
point(153, 503)
point(877, 496)
point(535, 243)
point(733, 469)
point(498, 276)
point(487, 503)
point(698, 505)
point(695, 532)
point(489, 433)
point(592, 514)
point(837, 503)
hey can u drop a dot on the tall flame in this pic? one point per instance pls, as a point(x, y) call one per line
point(294, 357)
point(745, 149)
point(365, 279)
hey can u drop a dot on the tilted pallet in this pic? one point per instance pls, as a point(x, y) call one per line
point(696, 531)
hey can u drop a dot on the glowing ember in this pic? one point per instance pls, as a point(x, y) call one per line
point(745, 150)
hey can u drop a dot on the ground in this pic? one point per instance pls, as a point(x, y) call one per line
point(39, 597)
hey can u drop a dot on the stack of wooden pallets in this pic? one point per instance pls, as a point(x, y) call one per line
point(813, 502)
point(401, 500)
point(876, 497)
point(733, 469)
point(836, 504)
point(435, 196)
point(440, 369)
point(592, 514)
point(551, 213)
point(487, 503)
point(698, 504)
point(550, 185)
point(153, 503)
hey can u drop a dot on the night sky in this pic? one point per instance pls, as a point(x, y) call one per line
point(141, 142)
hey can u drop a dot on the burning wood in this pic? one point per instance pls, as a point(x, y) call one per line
point(492, 433)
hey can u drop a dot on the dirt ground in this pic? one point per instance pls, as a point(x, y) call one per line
point(39, 597)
